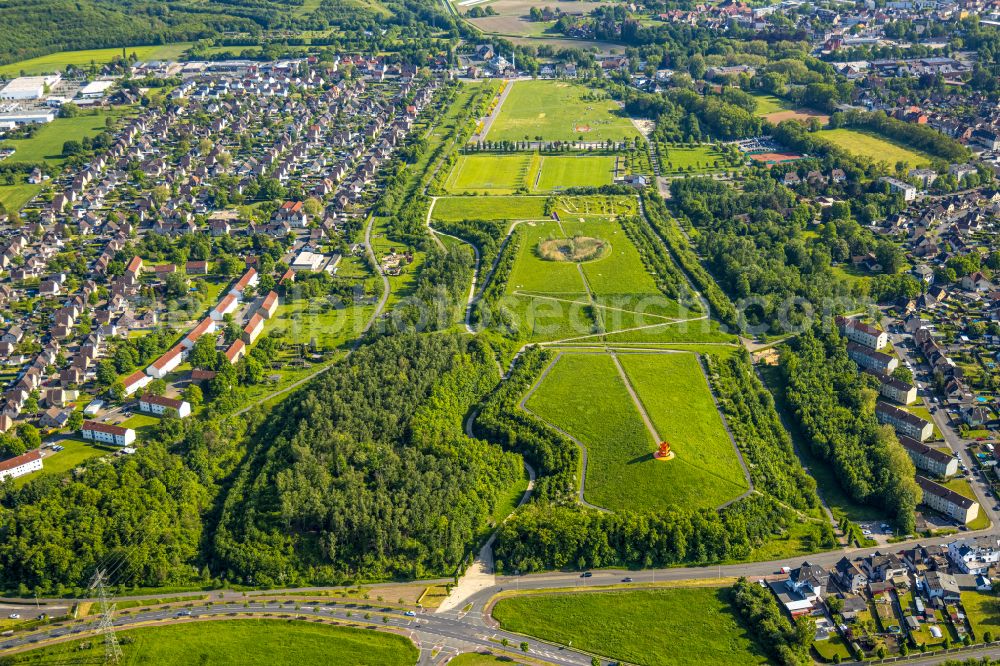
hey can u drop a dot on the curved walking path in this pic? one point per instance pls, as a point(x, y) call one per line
point(379, 307)
point(583, 449)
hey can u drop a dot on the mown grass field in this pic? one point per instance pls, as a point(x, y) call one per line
point(693, 626)
point(699, 159)
point(983, 611)
point(449, 209)
point(491, 174)
point(57, 62)
point(556, 111)
point(873, 146)
point(559, 172)
point(488, 173)
point(240, 643)
point(678, 400)
point(768, 104)
point(621, 471)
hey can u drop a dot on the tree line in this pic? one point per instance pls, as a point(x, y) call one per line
point(834, 406)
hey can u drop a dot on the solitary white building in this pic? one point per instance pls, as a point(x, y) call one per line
point(107, 433)
point(21, 465)
point(157, 404)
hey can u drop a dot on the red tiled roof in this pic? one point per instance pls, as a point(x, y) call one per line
point(245, 280)
point(161, 400)
point(97, 426)
point(161, 362)
point(11, 463)
point(200, 329)
point(134, 378)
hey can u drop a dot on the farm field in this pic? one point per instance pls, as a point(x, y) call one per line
point(486, 174)
point(556, 111)
point(560, 172)
point(682, 626)
point(873, 146)
point(512, 16)
point(621, 470)
point(677, 397)
point(452, 209)
point(243, 643)
point(57, 62)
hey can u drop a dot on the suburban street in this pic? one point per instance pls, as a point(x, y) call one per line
point(904, 348)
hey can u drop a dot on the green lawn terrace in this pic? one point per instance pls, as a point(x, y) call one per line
point(609, 298)
point(621, 472)
point(549, 110)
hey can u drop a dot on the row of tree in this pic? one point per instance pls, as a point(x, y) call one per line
point(834, 406)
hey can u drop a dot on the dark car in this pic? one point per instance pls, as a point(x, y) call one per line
point(586, 574)
point(627, 579)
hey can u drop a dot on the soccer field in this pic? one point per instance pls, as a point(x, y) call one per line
point(557, 111)
point(559, 172)
point(488, 173)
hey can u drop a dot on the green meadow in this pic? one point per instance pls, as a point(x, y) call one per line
point(557, 111)
point(453, 209)
point(678, 400)
point(57, 62)
point(621, 471)
point(239, 643)
point(682, 626)
point(873, 146)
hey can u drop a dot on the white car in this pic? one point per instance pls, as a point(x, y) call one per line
point(14, 616)
point(866, 532)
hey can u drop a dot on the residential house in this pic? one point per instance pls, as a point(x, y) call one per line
point(107, 433)
point(160, 405)
point(948, 502)
point(904, 422)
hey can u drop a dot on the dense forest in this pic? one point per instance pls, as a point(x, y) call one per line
point(36, 28)
point(752, 240)
point(368, 474)
point(835, 408)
